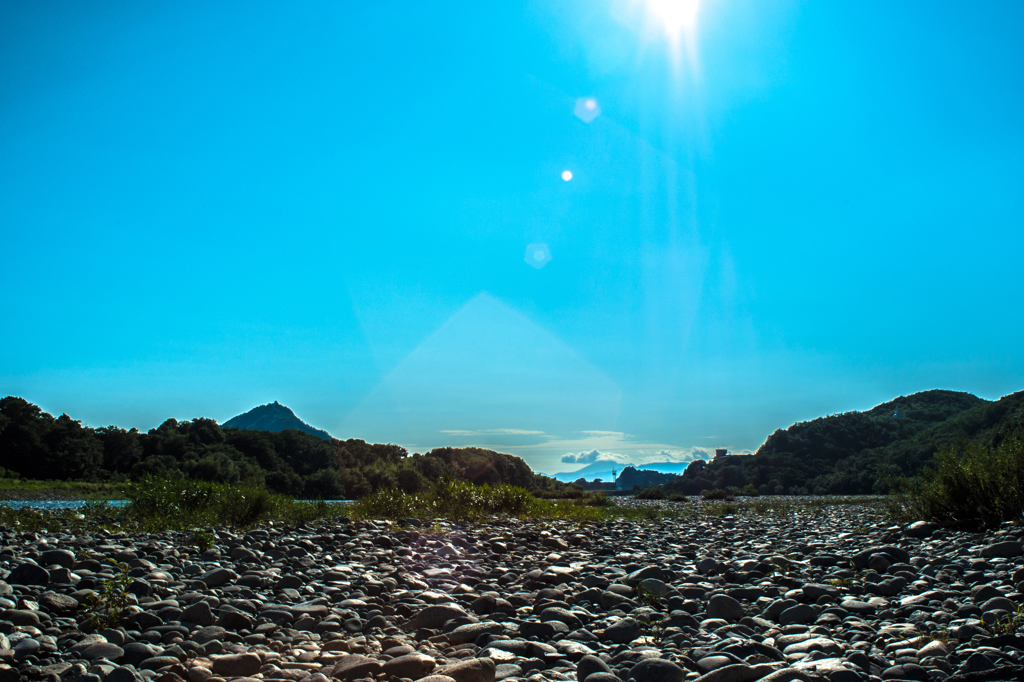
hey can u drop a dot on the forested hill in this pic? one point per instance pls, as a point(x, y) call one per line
point(34, 444)
point(840, 436)
point(273, 417)
point(856, 452)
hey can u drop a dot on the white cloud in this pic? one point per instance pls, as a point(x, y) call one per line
point(493, 432)
point(594, 456)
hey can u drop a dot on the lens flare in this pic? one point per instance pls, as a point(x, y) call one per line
point(675, 15)
point(586, 109)
point(537, 255)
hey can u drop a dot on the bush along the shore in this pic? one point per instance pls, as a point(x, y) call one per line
point(200, 507)
point(458, 500)
point(972, 486)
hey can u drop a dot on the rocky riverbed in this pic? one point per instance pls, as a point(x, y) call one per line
point(836, 595)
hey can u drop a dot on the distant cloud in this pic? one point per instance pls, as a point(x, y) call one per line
point(493, 432)
point(594, 456)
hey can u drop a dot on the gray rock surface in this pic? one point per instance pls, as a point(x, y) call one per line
point(838, 594)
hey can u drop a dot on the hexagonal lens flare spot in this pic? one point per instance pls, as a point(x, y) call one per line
point(587, 109)
point(537, 255)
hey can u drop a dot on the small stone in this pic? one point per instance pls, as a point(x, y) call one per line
point(799, 614)
point(933, 648)
point(106, 650)
point(657, 670)
point(157, 662)
point(199, 613)
point(217, 577)
point(921, 529)
point(1009, 548)
point(588, 665)
point(26, 647)
point(29, 574)
point(136, 652)
point(411, 666)
point(433, 617)
point(356, 666)
point(908, 671)
point(21, 617)
point(473, 670)
point(707, 566)
point(122, 674)
point(470, 631)
point(603, 677)
point(236, 665)
point(725, 607)
point(623, 631)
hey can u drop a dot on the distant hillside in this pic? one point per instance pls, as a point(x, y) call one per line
point(272, 417)
point(272, 447)
point(856, 452)
point(603, 470)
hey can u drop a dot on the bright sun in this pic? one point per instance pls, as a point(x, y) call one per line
point(676, 15)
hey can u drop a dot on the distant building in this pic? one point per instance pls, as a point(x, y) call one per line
point(722, 454)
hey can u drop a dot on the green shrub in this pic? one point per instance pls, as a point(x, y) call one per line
point(106, 607)
point(599, 500)
point(750, 490)
point(459, 500)
point(678, 497)
point(717, 494)
point(180, 503)
point(571, 493)
point(972, 486)
point(652, 493)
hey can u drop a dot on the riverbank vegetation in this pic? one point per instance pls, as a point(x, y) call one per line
point(200, 507)
point(971, 486)
point(35, 445)
point(857, 453)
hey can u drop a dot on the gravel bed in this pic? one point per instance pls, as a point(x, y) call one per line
point(834, 595)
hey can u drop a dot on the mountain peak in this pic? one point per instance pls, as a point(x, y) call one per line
point(272, 417)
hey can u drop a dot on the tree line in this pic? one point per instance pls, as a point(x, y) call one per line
point(857, 453)
point(36, 445)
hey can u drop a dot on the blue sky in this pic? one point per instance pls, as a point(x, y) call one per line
point(782, 210)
